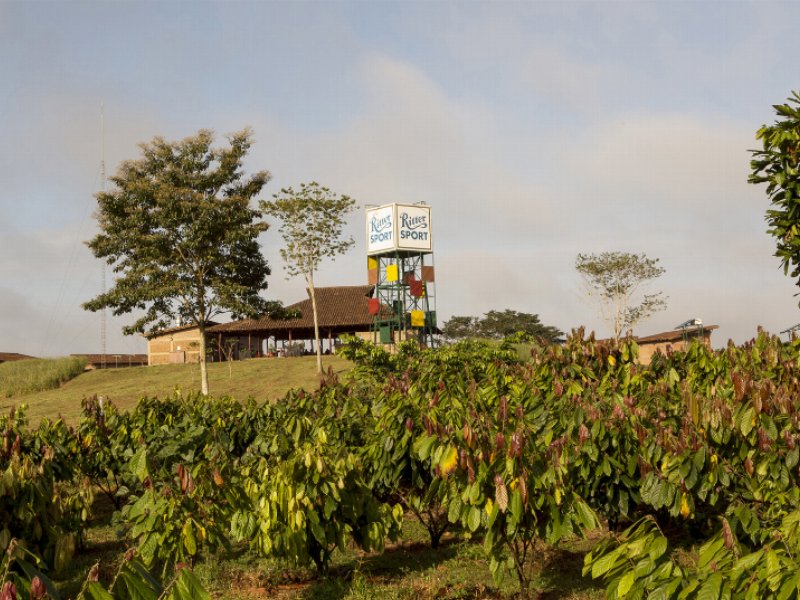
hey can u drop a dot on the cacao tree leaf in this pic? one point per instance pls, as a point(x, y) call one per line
point(136, 588)
point(501, 495)
point(449, 461)
point(602, 565)
point(189, 541)
point(474, 518)
point(94, 591)
point(138, 464)
point(710, 589)
point(625, 584)
point(454, 510)
point(187, 587)
point(422, 446)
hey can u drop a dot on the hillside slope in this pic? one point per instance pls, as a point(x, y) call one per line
point(263, 379)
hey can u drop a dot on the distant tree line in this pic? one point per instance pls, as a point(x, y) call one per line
point(497, 324)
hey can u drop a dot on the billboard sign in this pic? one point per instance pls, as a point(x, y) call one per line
point(380, 229)
point(399, 227)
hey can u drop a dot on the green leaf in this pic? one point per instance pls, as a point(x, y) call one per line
point(711, 588)
point(602, 565)
point(516, 505)
point(187, 587)
point(189, 541)
point(454, 510)
point(95, 591)
point(148, 548)
point(745, 420)
point(138, 464)
point(137, 588)
point(474, 518)
point(658, 547)
point(792, 457)
point(625, 584)
point(699, 458)
point(672, 378)
point(586, 517)
point(422, 446)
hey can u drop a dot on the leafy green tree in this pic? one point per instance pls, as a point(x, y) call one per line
point(312, 219)
point(778, 165)
point(502, 324)
point(179, 231)
point(459, 328)
point(615, 280)
point(498, 324)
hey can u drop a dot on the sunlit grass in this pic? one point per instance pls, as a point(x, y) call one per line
point(37, 374)
point(260, 378)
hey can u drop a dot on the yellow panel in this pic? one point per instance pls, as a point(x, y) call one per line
point(372, 263)
point(418, 318)
point(391, 273)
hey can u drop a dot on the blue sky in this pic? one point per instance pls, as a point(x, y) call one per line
point(535, 130)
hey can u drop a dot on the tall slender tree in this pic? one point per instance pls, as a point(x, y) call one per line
point(616, 280)
point(312, 221)
point(179, 231)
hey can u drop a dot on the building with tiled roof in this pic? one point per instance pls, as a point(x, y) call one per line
point(176, 345)
point(676, 339)
point(341, 310)
point(113, 361)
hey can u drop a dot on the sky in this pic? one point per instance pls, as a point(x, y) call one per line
point(534, 130)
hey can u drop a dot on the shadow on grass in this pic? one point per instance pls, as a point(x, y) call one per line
point(561, 576)
point(394, 562)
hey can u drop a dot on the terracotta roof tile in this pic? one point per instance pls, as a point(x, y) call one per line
point(674, 335)
point(9, 356)
point(186, 327)
point(337, 307)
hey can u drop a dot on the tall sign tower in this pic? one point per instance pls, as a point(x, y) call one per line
point(400, 266)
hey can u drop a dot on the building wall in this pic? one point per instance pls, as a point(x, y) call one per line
point(648, 349)
point(174, 348)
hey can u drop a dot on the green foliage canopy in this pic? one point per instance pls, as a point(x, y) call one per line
point(778, 165)
point(497, 324)
point(179, 232)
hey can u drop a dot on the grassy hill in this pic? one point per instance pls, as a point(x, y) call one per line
point(263, 379)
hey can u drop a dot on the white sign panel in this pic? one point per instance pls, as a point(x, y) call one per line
point(414, 227)
point(380, 229)
point(399, 227)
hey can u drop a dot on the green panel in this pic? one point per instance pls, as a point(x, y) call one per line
point(430, 319)
point(386, 334)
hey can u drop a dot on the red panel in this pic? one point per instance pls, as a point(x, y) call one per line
point(416, 288)
point(374, 306)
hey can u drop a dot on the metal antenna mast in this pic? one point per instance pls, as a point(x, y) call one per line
point(103, 189)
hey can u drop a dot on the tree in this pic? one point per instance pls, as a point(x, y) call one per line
point(497, 324)
point(459, 328)
point(502, 324)
point(615, 280)
point(778, 165)
point(179, 231)
point(312, 220)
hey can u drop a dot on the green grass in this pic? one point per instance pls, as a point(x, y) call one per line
point(21, 377)
point(261, 378)
point(407, 570)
